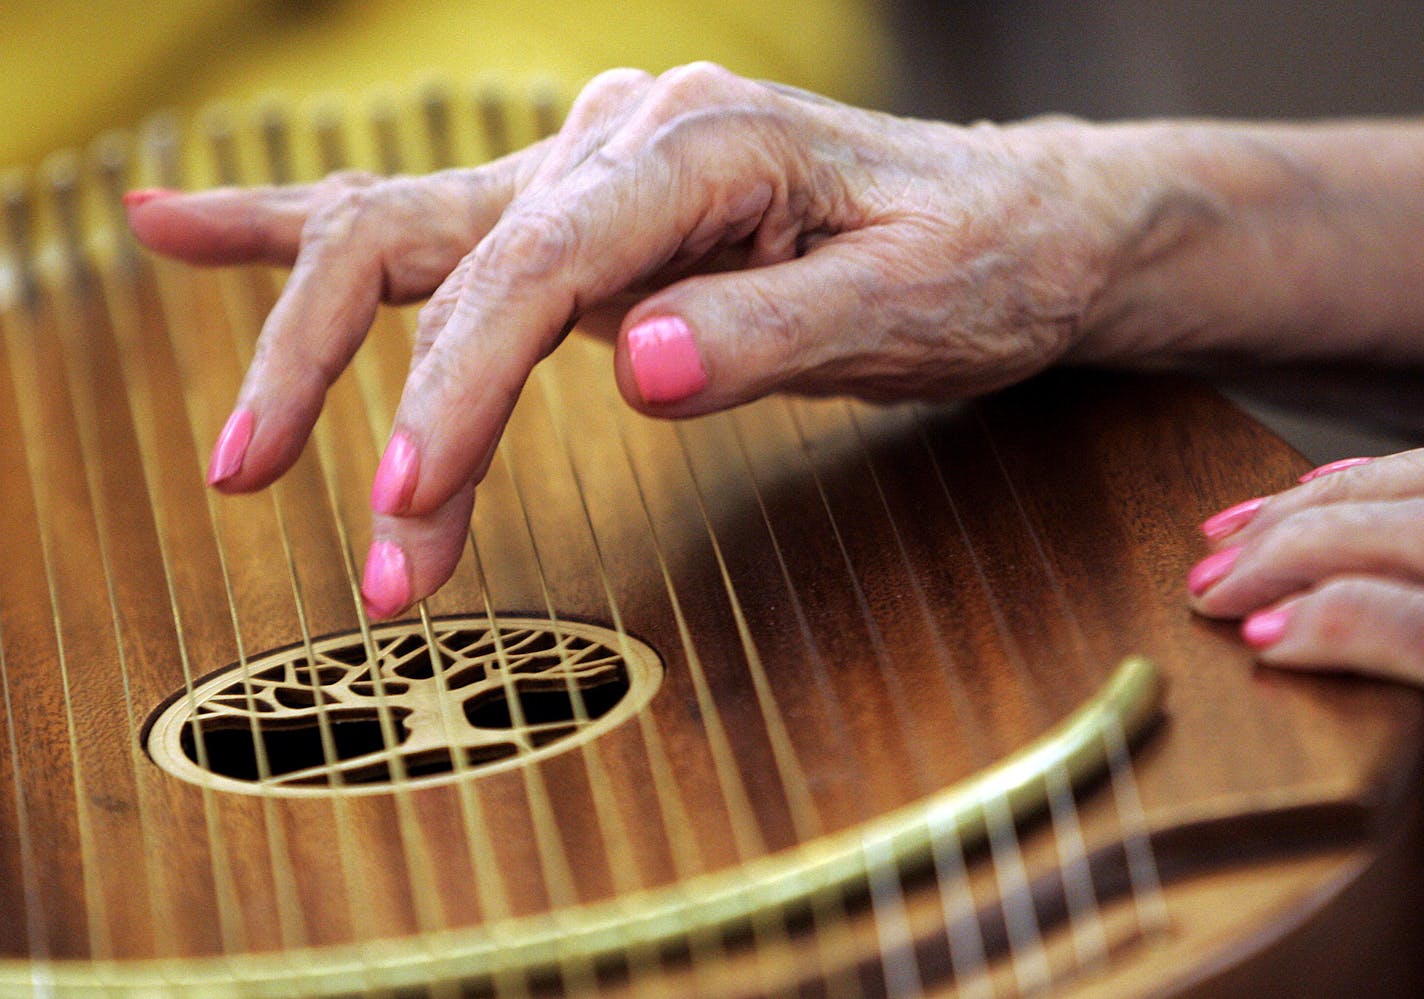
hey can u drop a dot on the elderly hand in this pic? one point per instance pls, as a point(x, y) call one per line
point(736, 237)
point(1329, 574)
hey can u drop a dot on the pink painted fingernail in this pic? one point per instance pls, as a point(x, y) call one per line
point(395, 477)
point(665, 361)
point(132, 199)
point(1209, 571)
point(1265, 628)
point(1334, 466)
point(231, 447)
point(385, 585)
point(1232, 519)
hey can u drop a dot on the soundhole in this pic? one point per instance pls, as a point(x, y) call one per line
point(410, 707)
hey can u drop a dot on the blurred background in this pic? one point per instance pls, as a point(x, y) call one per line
point(74, 69)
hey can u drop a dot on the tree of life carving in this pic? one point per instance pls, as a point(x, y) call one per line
point(332, 717)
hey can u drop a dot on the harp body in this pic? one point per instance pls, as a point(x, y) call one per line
point(679, 656)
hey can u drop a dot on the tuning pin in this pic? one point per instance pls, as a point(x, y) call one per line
point(19, 235)
point(62, 175)
point(159, 147)
point(435, 106)
point(112, 161)
point(330, 137)
point(222, 144)
point(494, 119)
point(544, 95)
point(387, 131)
point(277, 141)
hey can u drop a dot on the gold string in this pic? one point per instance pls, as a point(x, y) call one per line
point(24, 348)
point(1142, 867)
point(1029, 958)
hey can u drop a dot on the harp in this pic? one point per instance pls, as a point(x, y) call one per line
point(810, 698)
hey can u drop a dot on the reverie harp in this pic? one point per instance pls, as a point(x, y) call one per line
point(806, 698)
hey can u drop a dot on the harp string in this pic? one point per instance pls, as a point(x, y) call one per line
point(767, 930)
point(415, 851)
point(613, 832)
point(888, 902)
point(963, 932)
point(1143, 877)
point(105, 329)
point(24, 351)
point(1090, 939)
point(140, 304)
point(1029, 955)
point(231, 928)
point(967, 949)
point(491, 893)
point(36, 922)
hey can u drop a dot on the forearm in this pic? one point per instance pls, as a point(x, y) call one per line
point(1275, 242)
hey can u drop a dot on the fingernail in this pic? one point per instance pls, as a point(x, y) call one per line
point(1265, 628)
point(1209, 571)
point(395, 477)
point(385, 585)
point(132, 199)
point(231, 447)
point(1232, 519)
point(1334, 466)
point(665, 361)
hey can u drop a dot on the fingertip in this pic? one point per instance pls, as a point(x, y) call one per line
point(664, 360)
point(1211, 570)
point(385, 583)
point(231, 447)
point(142, 196)
point(1232, 519)
point(1265, 629)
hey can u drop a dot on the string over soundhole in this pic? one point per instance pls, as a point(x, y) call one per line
point(415, 706)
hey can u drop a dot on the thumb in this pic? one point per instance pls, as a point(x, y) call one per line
point(716, 341)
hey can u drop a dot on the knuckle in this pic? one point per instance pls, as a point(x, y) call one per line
point(528, 245)
point(610, 88)
point(691, 88)
point(343, 202)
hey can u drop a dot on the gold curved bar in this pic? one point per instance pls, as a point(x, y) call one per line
point(791, 879)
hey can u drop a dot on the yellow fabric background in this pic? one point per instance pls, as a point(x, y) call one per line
point(73, 69)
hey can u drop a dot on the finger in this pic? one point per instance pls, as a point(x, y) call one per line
point(411, 557)
point(361, 243)
point(557, 251)
point(1360, 623)
point(1380, 538)
point(227, 225)
point(1395, 476)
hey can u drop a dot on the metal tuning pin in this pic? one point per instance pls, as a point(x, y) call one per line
point(544, 96)
point(112, 156)
point(159, 147)
point(435, 108)
point(222, 143)
point(387, 131)
point(276, 131)
point(62, 174)
point(494, 120)
point(330, 138)
point(19, 235)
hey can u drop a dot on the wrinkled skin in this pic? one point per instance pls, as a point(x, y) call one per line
point(799, 245)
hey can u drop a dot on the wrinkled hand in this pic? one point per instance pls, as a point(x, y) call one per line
point(733, 237)
point(1329, 574)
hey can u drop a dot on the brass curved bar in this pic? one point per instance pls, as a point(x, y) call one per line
point(791, 879)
